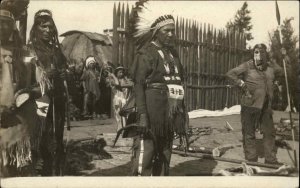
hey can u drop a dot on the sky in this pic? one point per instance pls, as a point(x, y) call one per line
point(95, 16)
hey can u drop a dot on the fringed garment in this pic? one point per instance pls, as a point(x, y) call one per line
point(52, 94)
point(17, 138)
point(158, 77)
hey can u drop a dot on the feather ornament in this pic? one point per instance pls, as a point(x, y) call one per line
point(147, 21)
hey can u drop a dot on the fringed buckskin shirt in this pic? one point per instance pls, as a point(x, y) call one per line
point(154, 69)
point(259, 83)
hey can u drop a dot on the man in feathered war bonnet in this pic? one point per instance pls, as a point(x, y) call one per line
point(158, 77)
point(49, 65)
point(255, 78)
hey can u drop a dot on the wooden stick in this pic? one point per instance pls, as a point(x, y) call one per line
point(210, 157)
point(289, 104)
point(207, 86)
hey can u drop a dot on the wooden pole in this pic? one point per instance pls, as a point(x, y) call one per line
point(230, 66)
point(227, 66)
point(115, 36)
point(192, 57)
point(209, 63)
point(126, 38)
point(235, 64)
point(122, 36)
point(190, 63)
point(204, 67)
point(210, 157)
point(223, 69)
point(196, 59)
point(130, 42)
point(199, 96)
point(186, 53)
point(214, 69)
point(23, 27)
point(290, 107)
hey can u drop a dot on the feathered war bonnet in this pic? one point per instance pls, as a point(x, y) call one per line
point(146, 22)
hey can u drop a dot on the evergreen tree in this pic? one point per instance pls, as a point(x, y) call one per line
point(242, 22)
point(289, 43)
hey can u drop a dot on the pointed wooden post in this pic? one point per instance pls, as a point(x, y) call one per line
point(115, 33)
point(131, 47)
point(213, 70)
point(208, 65)
point(200, 62)
point(204, 69)
point(121, 35)
point(126, 38)
point(192, 39)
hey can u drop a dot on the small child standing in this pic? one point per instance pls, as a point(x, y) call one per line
point(121, 88)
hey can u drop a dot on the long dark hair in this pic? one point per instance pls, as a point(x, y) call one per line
point(34, 38)
point(45, 52)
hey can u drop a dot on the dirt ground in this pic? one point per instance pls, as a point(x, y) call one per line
point(115, 161)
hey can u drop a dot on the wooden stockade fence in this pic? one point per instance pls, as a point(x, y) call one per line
point(205, 52)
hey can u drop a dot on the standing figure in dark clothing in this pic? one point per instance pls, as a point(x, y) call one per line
point(105, 89)
point(49, 66)
point(158, 77)
point(255, 78)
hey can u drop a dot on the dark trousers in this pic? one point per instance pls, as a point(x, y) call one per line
point(104, 102)
point(151, 159)
point(52, 146)
point(252, 119)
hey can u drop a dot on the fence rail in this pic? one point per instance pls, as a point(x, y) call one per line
point(205, 53)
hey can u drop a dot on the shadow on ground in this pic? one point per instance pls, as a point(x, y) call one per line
point(198, 167)
point(81, 154)
point(121, 170)
point(188, 168)
point(260, 147)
